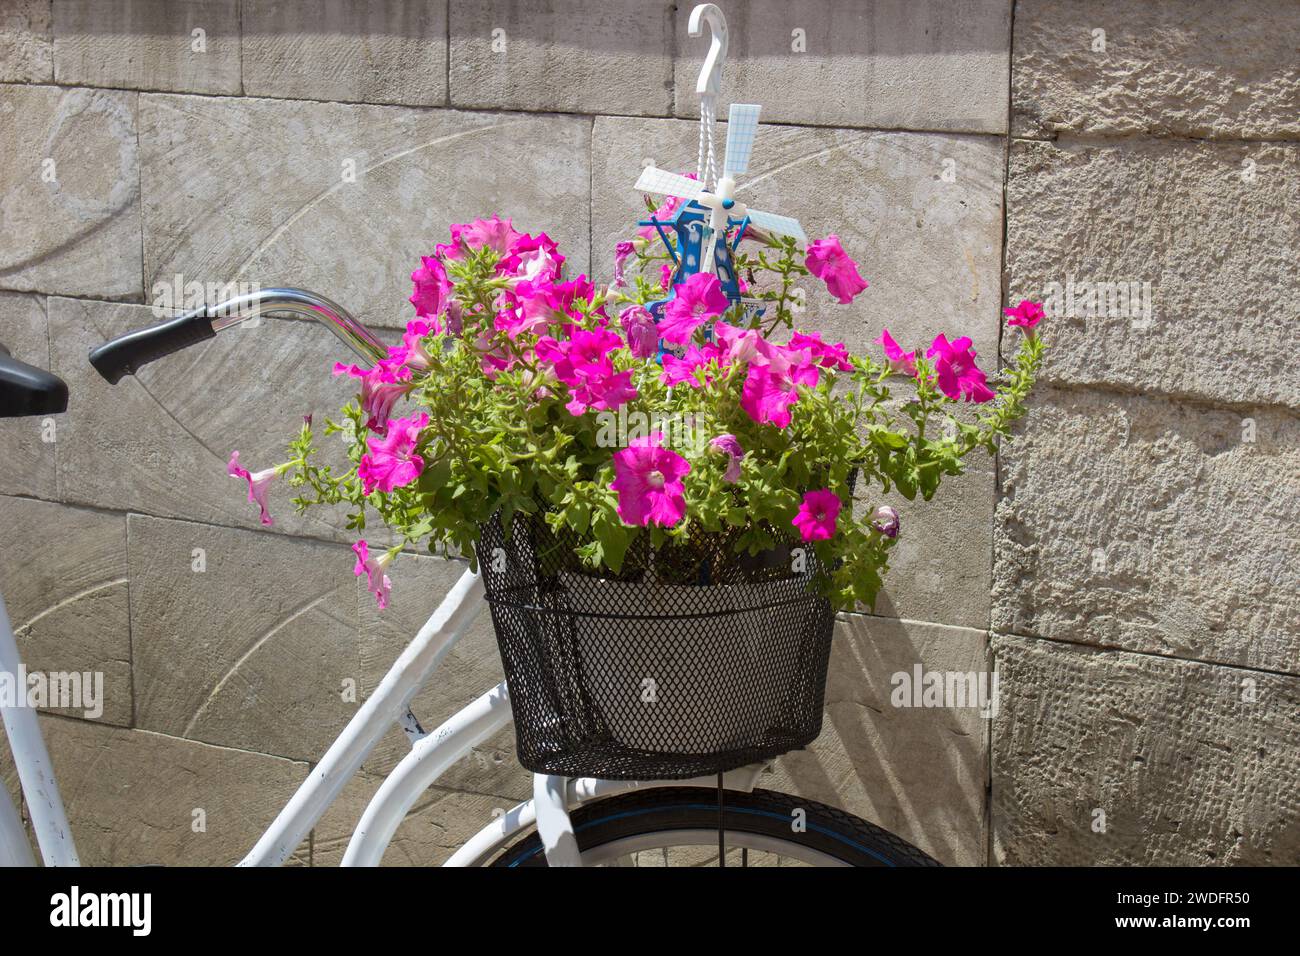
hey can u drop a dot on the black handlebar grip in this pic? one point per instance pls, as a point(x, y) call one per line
point(125, 354)
point(27, 390)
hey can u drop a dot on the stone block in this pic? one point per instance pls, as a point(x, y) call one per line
point(1152, 526)
point(25, 42)
point(71, 197)
point(148, 45)
point(138, 798)
point(63, 574)
point(939, 569)
point(351, 196)
point(1186, 250)
point(392, 51)
point(892, 64)
point(1118, 759)
point(563, 55)
point(1213, 69)
point(241, 639)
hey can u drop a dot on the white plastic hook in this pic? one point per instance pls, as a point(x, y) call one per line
point(710, 81)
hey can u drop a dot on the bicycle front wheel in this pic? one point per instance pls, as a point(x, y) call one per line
point(678, 826)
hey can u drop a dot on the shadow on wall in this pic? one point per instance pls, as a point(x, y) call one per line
point(767, 28)
point(758, 28)
point(919, 772)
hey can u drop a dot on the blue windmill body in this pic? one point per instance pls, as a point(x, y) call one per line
point(691, 226)
point(707, 219)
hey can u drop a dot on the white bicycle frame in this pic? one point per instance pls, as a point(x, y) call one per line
point(430, 756)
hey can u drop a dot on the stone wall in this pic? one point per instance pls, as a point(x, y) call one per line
point(1131, 564)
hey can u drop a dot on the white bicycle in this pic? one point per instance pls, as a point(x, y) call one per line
point(711, 820)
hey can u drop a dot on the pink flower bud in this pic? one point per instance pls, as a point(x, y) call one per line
point(885, 520)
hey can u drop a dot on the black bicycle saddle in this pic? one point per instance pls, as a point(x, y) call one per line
point(27, 390)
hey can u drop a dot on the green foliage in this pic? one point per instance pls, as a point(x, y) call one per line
point(507, 442)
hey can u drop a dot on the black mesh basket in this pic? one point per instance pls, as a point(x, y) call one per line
point(691, 661)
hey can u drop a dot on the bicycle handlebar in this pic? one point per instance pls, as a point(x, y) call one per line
point(126, 354)
point(28, 390)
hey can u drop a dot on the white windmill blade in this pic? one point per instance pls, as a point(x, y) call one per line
point(654, 180)
point(742, 125)
point(779, 224)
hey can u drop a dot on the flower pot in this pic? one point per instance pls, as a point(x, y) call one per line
point(691, 661)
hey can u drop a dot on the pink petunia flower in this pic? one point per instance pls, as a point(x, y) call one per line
point(666, 276)
point(1026, 315)
point(402, 359)
point(537, 265)
point(586, 351)
point(492, 359)
point(496, 233)
point(412, 352)
point(522, 245)
point(528, 308)
point(533, 259)
point(432, 288)
point(381, 387)
point(583, 362)
point(769, 388)
point(826, 354)
point(622, 252)
point(392, 461)
point(959, 376)
point(899, 361)
point(648, 479)
point(738, 345)
point(566, 296)
point(827, 260)
point(454, 249)
point(699, 299)
point(378, 396)
point(817, 515)
point(678, 370)
point(539, 304)
point(377, 581)
point(804, 369)
point(730, 446)
point(258, 483)
point(605, 391)
point(767, 395)
point(641, 331)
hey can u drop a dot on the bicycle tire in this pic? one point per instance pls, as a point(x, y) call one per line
point(827, 831)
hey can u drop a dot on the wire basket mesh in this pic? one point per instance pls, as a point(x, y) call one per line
point(692, 660)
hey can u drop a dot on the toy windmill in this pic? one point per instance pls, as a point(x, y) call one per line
point(711, 222)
